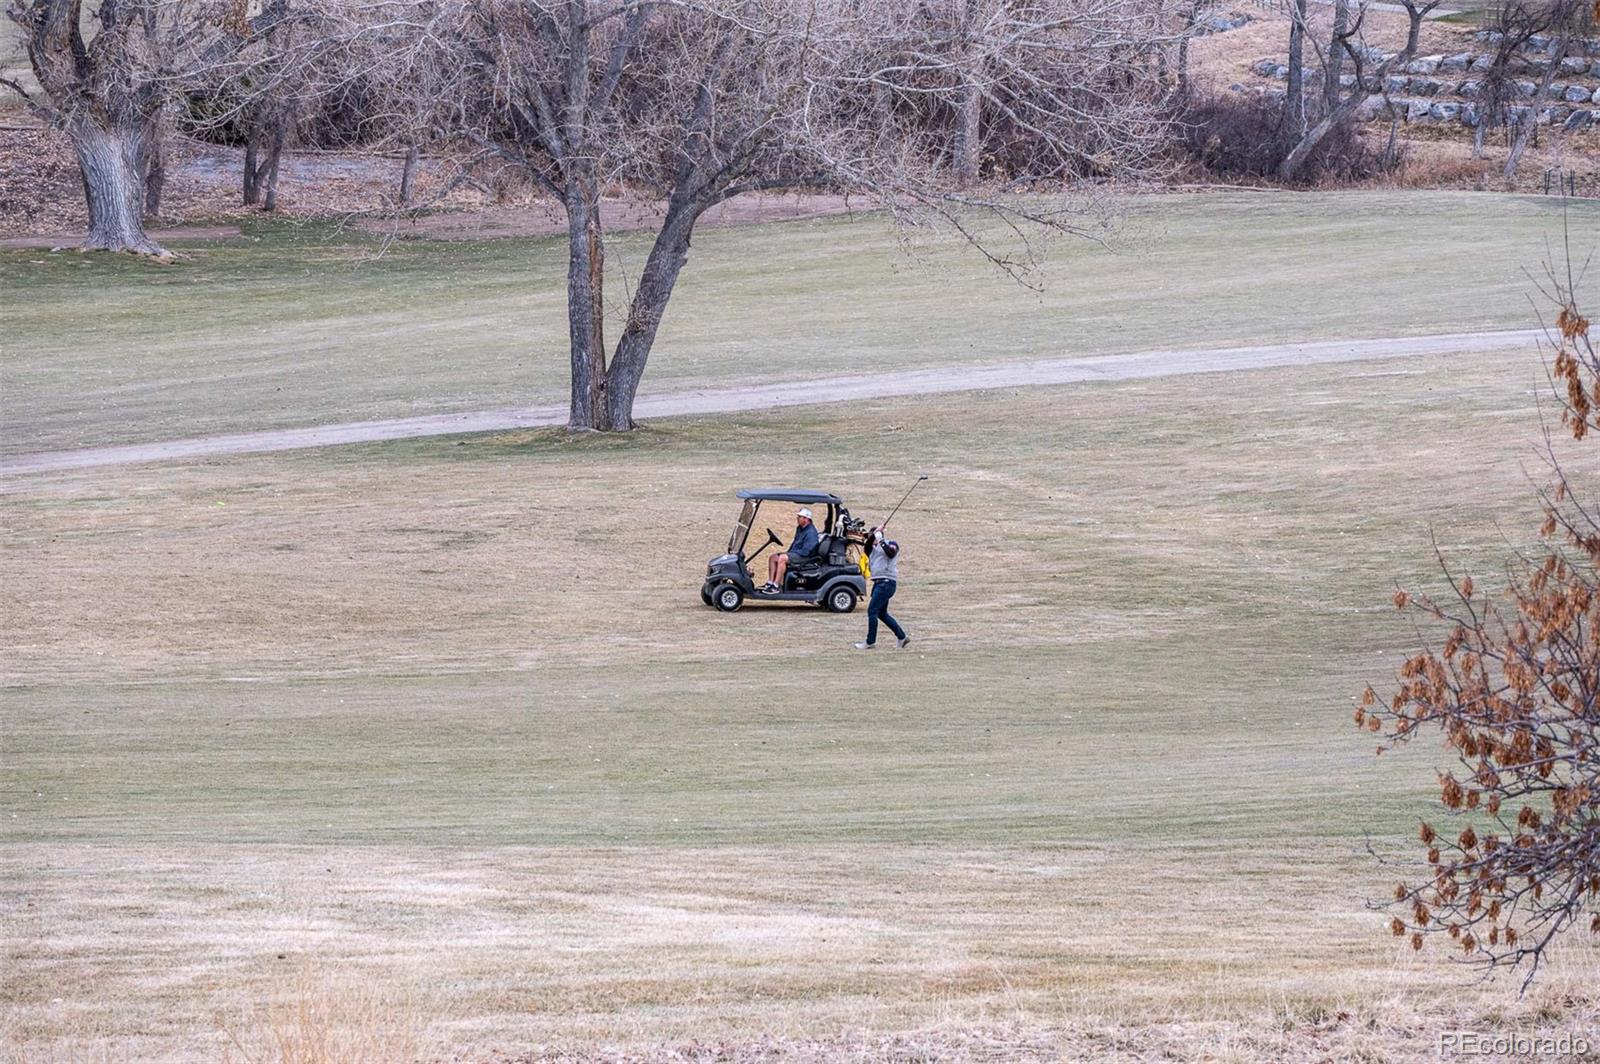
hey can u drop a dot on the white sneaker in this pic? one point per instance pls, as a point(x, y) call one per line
point(864, 646)
point(905, 642)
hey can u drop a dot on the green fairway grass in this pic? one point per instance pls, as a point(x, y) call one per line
point(295, 325)
point(499, 639)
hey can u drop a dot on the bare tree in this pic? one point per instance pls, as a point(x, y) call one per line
point(1569, 18)
point(1514, 23)
point(1515, 692)
point(106, 73)
point(1364, 84)
point(693, 103)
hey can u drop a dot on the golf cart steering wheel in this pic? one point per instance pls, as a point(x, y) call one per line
point(772, 537)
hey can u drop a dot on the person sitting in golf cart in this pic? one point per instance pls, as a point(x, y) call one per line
point(801, 548)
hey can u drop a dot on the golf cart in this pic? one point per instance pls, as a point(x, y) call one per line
point(828, 578)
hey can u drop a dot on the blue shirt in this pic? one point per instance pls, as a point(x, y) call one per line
point(805, 542)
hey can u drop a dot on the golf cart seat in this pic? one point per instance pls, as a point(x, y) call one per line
point(823, 555)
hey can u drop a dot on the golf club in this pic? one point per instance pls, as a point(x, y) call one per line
point(902, 501)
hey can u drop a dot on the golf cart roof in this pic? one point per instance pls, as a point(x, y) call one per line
point(790, 495)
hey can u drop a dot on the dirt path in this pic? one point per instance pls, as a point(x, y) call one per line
point(965, 378)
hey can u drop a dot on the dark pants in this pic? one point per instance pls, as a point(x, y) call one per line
point(882, 592)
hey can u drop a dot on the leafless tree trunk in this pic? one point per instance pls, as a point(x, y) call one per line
point(1294, 111)
point(153, 165)
point(110, 158)
point(967, 145)
point(1190, 15)
point(251, 192)
point(269, 201)
point(1335, 65)
point(967, 140)
point(586, 316)
point(1530, 117)
point(408, 172)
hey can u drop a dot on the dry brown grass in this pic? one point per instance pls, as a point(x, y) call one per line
point(315, 1017)
point(359, 953)
point(1430, 164)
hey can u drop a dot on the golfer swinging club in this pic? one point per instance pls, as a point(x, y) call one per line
point(884, 568)
point(882, 555)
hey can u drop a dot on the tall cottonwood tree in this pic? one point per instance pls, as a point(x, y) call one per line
point(107, 71)
point(692, 103)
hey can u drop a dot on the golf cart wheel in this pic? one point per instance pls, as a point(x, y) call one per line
point(727, 598)
point(841, 600)
point(705, 595)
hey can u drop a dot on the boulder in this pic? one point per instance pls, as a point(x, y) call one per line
point(1427, 64)
point(1371, 108)
point(1263, 67)
point(1468, 87)
point(1444, 112)
point(1594, 71)
point(1576, 94)
point(1596, 97)
point(1455, 64)
point(1573, 64)
point(1394, 83)
point(1426, 86)
point(1551, 116)
point(1469, 114)
point(1216, 23)
point(1523, 87)
point(1347, 80)
point(1578, 120)
point(1416, 110)
point(1481, 63)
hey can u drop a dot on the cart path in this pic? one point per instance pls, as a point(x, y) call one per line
point(930, 381)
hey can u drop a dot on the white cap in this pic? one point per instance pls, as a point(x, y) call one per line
point(803, 512)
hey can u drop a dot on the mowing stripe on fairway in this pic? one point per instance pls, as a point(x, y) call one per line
point(968, 378)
